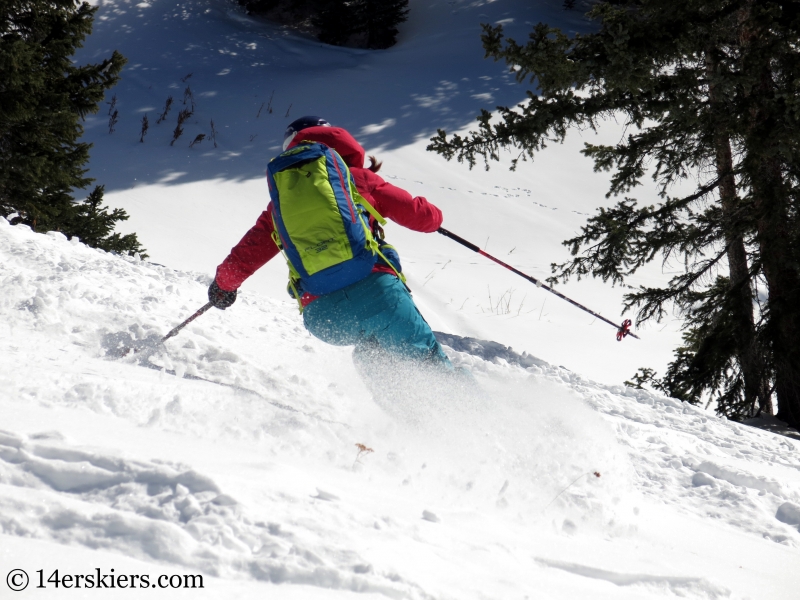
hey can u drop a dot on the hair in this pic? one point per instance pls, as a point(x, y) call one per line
point(374, 164)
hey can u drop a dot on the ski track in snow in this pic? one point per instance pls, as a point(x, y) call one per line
point(62, 299)
point(679, 586)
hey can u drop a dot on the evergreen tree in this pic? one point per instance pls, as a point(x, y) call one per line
point(295, 13)
point(378, 21)
point(768, 102)
point(360, 23)
point(43, 99)
point(336, 21)
point(262, 6)
point(708, 89)
point(94, 226)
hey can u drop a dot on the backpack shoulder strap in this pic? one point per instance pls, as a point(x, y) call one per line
point(372, 241)
point(370, 209)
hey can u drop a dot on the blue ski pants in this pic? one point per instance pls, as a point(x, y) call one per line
point(375, 314)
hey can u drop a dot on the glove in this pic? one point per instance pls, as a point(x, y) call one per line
point(220, 298)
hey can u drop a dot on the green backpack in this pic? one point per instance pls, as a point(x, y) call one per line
point(322, 222)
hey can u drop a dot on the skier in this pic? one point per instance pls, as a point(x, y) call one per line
point(376, 314)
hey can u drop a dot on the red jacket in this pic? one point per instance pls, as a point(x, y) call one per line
point(257, 246)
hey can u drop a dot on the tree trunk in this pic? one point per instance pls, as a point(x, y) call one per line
point(749, 354)
point(772, 203)
point(783, 285)
point(751, 360)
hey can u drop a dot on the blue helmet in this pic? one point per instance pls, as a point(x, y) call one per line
point(298, 125)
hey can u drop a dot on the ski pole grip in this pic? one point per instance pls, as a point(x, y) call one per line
point(458, 239)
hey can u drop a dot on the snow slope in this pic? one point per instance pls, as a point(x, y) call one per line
point(232, 451)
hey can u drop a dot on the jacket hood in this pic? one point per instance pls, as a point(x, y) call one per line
point(337, 138)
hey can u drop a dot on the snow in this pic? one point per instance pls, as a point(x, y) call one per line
point(235, 450)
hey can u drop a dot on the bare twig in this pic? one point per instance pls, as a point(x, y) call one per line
point(165, 112)
point(145, 126)
point(188, 96)
point(362, 449)
point(213, 133)
point(182, 116)
point(113, 120)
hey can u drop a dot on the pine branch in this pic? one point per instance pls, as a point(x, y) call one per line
point(650, 301)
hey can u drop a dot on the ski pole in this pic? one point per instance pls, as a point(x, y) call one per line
point(175, 331)
point(622, 330)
